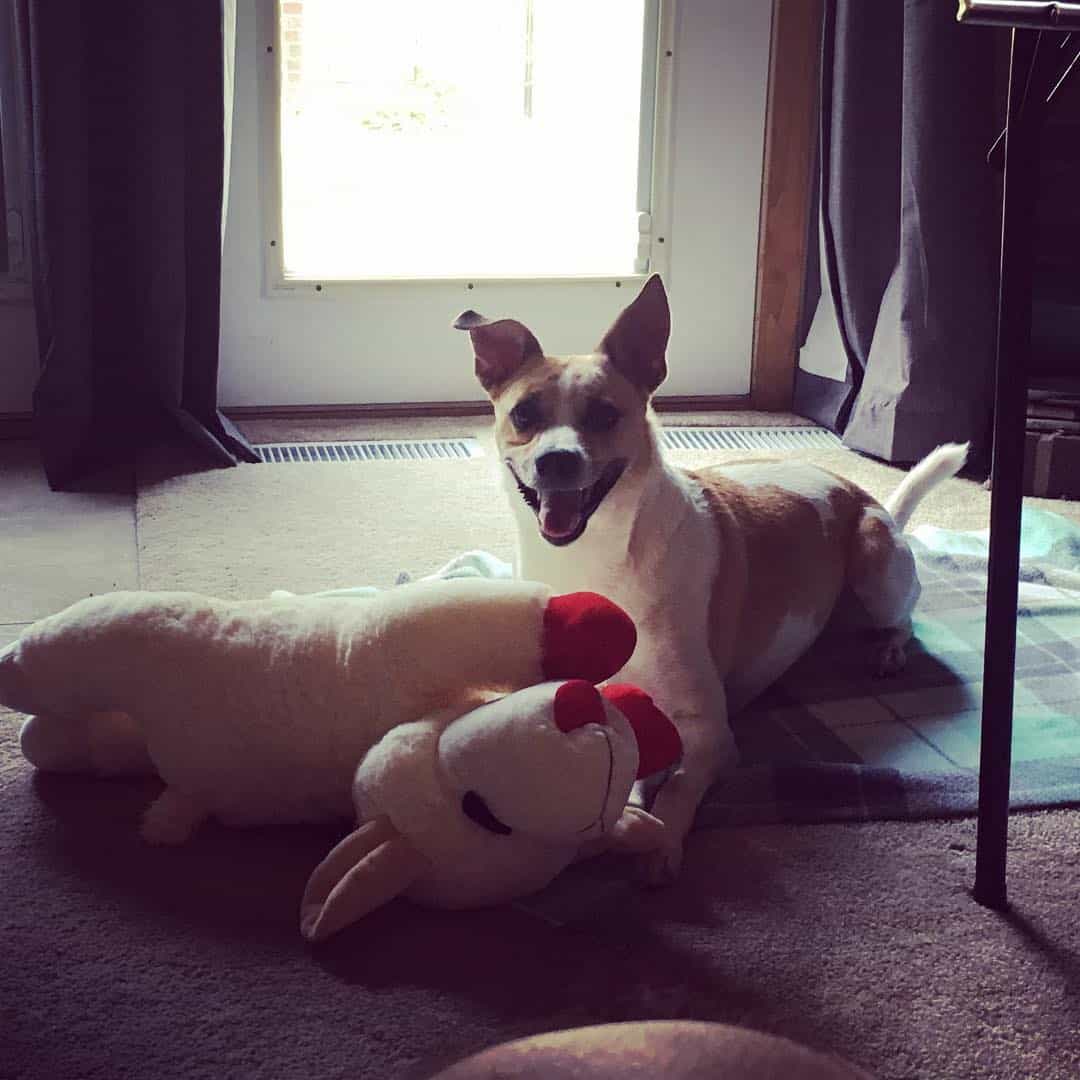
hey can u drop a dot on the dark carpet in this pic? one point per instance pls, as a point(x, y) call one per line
point(124, 961)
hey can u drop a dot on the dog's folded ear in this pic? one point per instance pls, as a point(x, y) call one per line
point(500, 346)
point(637, 341)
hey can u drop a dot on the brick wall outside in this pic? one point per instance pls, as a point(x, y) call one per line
point(292, 20)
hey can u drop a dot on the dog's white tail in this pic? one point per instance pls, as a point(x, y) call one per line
point(936, 467)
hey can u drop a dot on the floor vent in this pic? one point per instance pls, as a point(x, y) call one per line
point(749, 438)
point(673, 438)
point(370, 450)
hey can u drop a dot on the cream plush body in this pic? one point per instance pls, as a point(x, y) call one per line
point(260, 711)
point(456, 720)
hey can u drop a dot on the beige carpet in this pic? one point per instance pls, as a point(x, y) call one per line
point(245, 531)
point(857, 939)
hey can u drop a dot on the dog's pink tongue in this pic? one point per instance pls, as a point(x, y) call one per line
point(560, 512)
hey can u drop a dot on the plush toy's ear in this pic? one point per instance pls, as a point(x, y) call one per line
point(368, 868)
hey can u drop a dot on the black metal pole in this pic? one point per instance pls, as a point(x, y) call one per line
point(1026, 111)
point(1039, 14)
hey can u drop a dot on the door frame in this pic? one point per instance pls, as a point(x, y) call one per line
point(790, 136)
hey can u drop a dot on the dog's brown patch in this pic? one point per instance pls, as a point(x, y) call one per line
point(777, 559)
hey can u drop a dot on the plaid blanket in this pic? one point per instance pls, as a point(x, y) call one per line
point(830, 742)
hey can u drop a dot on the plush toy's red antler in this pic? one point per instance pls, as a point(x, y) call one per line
point(578, 703)
point(659, 745)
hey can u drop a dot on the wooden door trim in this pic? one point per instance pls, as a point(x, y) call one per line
point(791, 117)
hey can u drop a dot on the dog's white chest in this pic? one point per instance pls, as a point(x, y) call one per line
point(658, 564)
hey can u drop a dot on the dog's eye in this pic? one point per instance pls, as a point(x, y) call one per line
point(477, 810)
point(601, 415)
point(525, 415)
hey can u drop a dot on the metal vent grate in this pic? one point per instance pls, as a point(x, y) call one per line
point(672, 438)
point(373, 450)
point(749, 438)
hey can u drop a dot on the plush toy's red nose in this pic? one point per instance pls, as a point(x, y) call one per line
point(578, 703)
point(659, 745)
point(586, 636)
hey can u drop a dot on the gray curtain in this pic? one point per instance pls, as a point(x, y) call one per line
point(898, 325)
point(124, 118)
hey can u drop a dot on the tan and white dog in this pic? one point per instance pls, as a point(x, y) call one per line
point(730, 573)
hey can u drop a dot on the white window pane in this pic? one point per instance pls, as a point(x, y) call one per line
point(473, 138)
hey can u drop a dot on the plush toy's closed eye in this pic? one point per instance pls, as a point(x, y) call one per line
point(477, 810)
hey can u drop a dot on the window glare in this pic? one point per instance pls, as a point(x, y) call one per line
point(479, 138)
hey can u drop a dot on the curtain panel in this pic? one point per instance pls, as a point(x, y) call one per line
point(898, 331)
point(124, 113)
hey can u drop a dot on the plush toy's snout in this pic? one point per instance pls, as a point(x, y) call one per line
point(541, 760)
point(554, 760)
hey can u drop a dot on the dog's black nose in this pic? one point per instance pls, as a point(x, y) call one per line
point(559, 466)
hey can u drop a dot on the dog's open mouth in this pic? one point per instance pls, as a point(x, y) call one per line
point(563, 515)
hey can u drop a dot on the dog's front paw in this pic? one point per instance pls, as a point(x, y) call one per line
point(660, 866)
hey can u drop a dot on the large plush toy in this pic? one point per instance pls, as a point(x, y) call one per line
point(457, 721)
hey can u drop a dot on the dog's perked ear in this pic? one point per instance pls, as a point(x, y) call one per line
point(500, 346)
point(637, 341)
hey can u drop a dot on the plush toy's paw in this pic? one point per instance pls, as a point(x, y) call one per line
point(171, 819)
point(56, 744)
point(586, 636)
